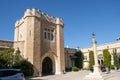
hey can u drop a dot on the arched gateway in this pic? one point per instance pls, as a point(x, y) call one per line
point(47, 66)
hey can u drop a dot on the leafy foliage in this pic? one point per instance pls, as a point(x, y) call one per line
point(9, 59)
point(79, 59)
point(6, 57)
point(74, 68)
point(91, 59)
point(112, 67)
point(17, 57)
point(25, 66)
point(107, 58)
point(116, 58)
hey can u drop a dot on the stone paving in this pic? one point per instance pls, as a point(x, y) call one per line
point(113, 75)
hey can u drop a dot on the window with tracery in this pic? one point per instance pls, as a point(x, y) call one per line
point(48, 34)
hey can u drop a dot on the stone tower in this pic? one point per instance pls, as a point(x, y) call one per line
point(40, 39)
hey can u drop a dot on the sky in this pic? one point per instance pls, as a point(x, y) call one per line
point(81, 18)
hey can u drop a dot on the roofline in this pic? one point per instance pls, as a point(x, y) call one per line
point(7, 40)
point(108, 43)
point(70, 48)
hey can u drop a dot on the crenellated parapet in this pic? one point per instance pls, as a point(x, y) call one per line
point(39, 14)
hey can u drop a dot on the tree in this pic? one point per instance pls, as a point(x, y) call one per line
point(17, 56)
point(6, 57)
point(79, 59)
point(115, 58)
point(91, 59)
point(3, 62)
point(107, 58)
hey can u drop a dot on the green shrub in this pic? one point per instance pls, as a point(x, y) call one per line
point(6, 57)
point(79, 59)
point(112, 67)
point(25, 66)
point(91, 59)
point(75, 68)
point(115, 58)
point(85, 69)
point(107, 58)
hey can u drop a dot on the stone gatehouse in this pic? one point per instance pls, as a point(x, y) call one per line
point(40, 39)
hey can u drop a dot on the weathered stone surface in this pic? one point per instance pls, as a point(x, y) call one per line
point(30, 39)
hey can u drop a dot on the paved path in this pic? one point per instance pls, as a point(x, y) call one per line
point(113, 75)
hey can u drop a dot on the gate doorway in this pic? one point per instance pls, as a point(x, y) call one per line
point(47, 66)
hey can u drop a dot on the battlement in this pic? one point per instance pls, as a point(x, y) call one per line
point(38, 13)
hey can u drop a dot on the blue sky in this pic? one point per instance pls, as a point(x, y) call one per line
point(81, 18)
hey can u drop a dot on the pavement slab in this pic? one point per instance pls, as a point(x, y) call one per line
point(80, 75)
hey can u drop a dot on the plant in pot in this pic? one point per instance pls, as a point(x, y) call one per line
point(107, 60)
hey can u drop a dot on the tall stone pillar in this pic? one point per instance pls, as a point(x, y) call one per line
point(60, 60)
point(96, 66)
point(97, 74)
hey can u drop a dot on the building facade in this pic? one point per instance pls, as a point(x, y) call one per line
point(70, 52)
point(70, 57)
point(40, 39)
point(100, 48)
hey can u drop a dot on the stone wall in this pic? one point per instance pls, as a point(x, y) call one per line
point(5, 44)
point(69, 53)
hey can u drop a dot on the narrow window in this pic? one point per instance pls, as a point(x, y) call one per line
point(48, 36)
point(51, 34)
point(45, 35)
